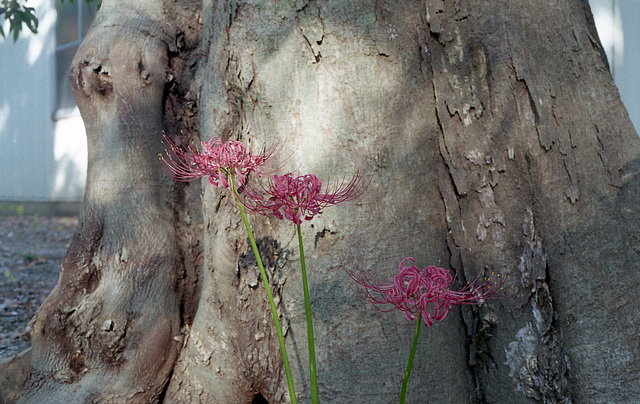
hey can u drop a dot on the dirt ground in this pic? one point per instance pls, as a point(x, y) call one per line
point(31, 251)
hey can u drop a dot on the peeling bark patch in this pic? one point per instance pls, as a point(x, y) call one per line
point(539, 374)
point(540, 108)
point(322, 234)
point(271, 255)
point(535, 357)
point(491, 221)
point(113, 341)
point(520, 356)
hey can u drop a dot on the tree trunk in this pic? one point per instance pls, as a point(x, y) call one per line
point(111, 329)
point(494, 139)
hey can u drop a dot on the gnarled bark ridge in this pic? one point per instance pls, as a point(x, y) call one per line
point(112, 328)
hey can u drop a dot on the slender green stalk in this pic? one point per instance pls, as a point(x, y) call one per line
point(307, 309)
point(263, 274)
point(407, 373)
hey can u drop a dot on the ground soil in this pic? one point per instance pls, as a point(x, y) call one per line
point(31, 251)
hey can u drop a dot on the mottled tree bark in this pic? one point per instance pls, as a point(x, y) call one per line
point(112, 328)
point(494, 139)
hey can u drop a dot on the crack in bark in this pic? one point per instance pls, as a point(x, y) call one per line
point(316, 54)
point(311, 29)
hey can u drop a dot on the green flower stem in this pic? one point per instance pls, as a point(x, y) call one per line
point(307, 309)
point(263, 274)
point(407, 373)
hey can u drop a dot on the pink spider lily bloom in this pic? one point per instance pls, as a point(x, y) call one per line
point(296, 198)
point(217, 160)
point(424, 292)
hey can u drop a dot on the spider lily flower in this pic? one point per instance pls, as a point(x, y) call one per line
point(217, 160)
point(423, 292)
point(296, 198)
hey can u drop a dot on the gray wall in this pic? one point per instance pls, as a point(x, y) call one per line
point(618, 23)
point(41, 159)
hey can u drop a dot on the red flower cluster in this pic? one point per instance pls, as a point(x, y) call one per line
point(424, 292)
point(285, 196)
point(294, 198)
point(217, 160)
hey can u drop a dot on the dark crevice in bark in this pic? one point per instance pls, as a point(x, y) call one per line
point(259, 399)
point(316, 55)
point(188, 227)
point(163, 394)
point(310, 28)
point(180, 105)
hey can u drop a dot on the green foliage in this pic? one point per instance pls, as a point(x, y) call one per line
point(18, 14)
point(9, 275)
point(19, 209)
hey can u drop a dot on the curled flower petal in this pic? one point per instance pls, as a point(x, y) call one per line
point(296, 198)
point(217, 160)
point(424, 292)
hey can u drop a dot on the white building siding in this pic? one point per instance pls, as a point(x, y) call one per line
point(41, 160)
point(70, 160)
point(26, 102)
point(619, 32)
